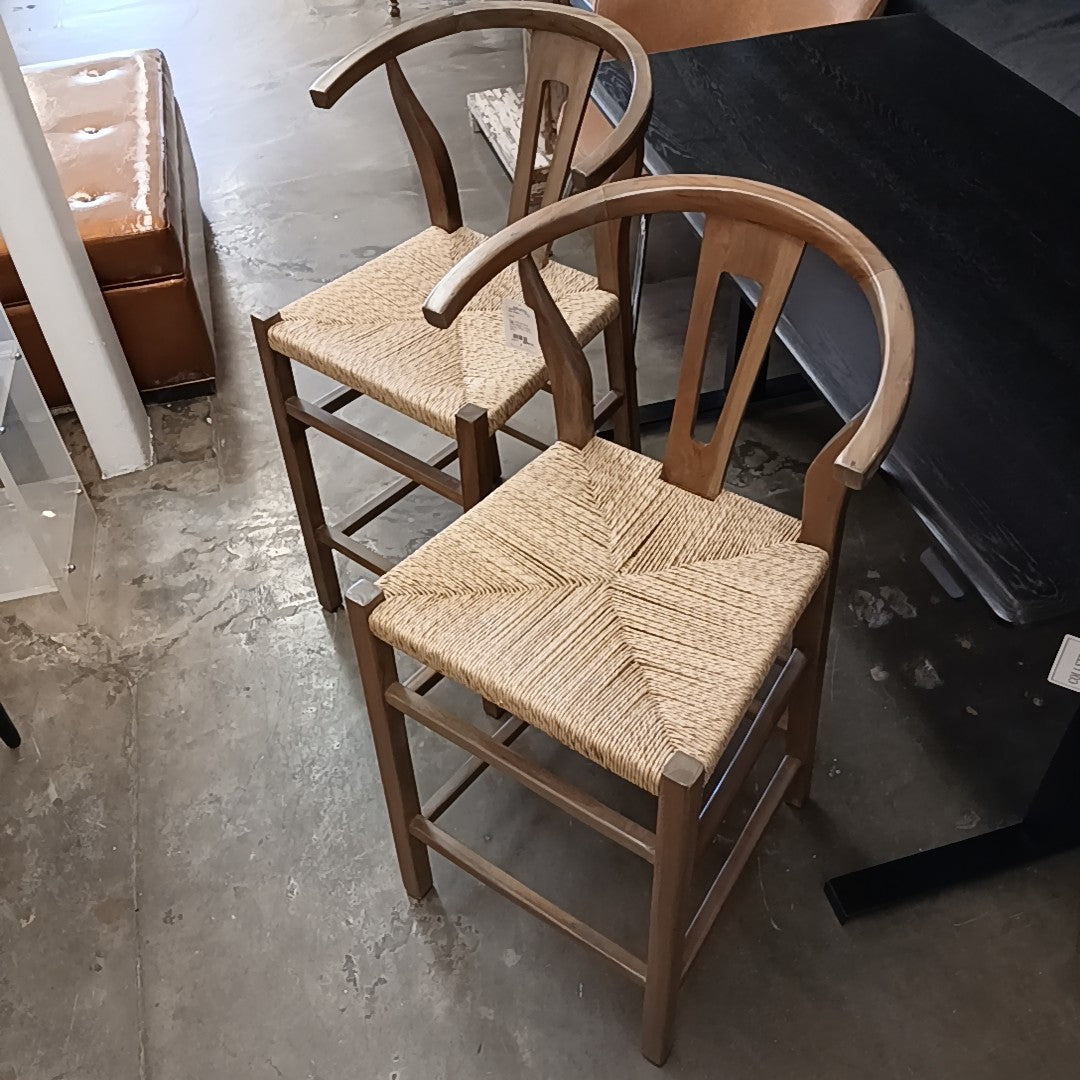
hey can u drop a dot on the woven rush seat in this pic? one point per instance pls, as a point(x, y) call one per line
point(624, 616)
point(367, 330)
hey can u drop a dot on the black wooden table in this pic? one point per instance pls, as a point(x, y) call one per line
point(966, 177)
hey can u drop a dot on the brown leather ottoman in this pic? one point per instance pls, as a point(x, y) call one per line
point(119, 144)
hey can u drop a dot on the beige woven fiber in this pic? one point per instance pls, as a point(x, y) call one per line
point(366, 330)
point(622, 615)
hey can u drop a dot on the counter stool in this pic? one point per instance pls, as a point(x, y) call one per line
point(366, 330)
point(633, 609)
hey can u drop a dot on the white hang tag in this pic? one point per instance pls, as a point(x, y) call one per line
point(1066, 668)
point(519, 327)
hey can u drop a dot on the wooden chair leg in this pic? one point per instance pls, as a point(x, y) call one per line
point(622, 378)
point(811, 638)
point(676, 844)
point(292, 434)
point(378, 670)
point(478, 455)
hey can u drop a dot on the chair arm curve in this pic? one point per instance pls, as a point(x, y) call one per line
point(464, 280)
point(859, 459)
point(333, 83)
point(748, 200)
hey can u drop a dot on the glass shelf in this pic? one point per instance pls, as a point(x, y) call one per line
point(47, 524)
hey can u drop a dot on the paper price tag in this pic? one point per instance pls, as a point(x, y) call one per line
point(1066, 668)
point(519, 327)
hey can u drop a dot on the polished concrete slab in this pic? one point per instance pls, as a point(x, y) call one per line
point(196, 878)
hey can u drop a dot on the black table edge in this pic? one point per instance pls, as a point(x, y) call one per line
point(1052, 822)
point(966, 558)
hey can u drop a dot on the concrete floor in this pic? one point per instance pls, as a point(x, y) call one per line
point(196, 879)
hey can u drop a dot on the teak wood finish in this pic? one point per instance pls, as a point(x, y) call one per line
point(566, 49)
point(751, 229)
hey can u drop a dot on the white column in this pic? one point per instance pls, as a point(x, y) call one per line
point(44, 243)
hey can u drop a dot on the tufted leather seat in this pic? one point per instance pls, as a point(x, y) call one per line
point(118, 141)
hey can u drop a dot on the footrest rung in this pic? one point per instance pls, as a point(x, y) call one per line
point(353, 549)
point(463, 779)
point(571, 800)
point(393, 457)
point(504, 884)
point(338, 399)
point(392, 495)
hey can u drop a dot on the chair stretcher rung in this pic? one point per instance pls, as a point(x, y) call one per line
point(423, 679)
point(578, 804)
point(602, 411)
point(525, 437)
point(338, 399)
point(378, 449)
point(607, 405)
point(463, 779)
point(737, 859)
point(762, 727)
point(503, 883)
point(392, 495)
point(353, 549)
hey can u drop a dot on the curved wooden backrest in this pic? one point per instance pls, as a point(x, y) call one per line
point(682, 24)
point(565, 49)
point(752, 230)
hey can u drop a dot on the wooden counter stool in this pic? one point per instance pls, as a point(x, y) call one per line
point(633, 609)
point(366, 330)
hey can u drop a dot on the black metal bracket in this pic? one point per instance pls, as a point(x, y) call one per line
point(777, 392)
point(940, 570)
point(1051, 826)
point(9, 733)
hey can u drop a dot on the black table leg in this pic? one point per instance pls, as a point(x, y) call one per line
point(637, 284)
point(1051, 825)
point(9, 734)
point(776, 392)
point(740, 316)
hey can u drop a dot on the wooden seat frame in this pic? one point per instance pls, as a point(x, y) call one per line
point(756, 231)
point(566, 47)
